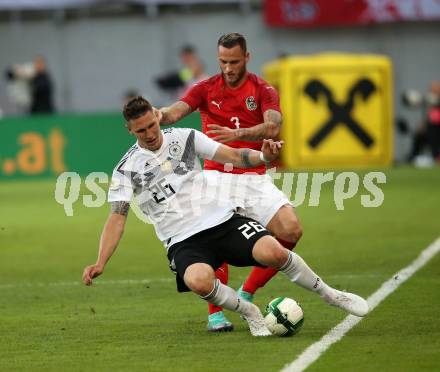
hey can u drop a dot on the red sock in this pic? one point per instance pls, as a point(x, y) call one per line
point(222, 274)
point(259, 276)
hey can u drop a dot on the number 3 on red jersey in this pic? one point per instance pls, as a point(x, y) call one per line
point(236, 122)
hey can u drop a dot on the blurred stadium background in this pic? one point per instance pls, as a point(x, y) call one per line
point(97, 51)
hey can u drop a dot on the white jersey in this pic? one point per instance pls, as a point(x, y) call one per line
point(169, 185)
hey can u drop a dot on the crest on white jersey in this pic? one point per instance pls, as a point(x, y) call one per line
point(175, 149)
point(250, 103)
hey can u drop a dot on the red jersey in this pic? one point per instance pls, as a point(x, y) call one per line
point(242, 107)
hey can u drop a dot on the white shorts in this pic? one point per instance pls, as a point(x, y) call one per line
point(254, 195)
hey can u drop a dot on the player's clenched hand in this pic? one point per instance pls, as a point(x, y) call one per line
point(91, 272)
point(271, 149)
point(222, 134)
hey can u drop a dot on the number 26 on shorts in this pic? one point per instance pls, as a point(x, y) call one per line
point(251, 228)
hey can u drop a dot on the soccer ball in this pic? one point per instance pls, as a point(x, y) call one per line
point(284, 317)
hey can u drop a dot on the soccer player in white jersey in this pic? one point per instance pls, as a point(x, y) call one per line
point(160, 170)
point(240, 109)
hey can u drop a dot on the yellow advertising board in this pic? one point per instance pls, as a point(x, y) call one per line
point(337, 109)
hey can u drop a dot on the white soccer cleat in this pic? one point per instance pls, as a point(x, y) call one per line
point(349, 302)
point(256, 323)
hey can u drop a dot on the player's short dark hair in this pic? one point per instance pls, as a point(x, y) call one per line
point(136, 107)
point(231, 40)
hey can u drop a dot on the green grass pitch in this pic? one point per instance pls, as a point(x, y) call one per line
point(133, 320)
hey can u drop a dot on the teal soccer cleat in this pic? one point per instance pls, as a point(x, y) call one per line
point(245, 295)
point(217, 322)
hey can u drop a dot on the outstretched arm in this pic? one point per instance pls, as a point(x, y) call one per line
point(247, 158)
point(110, 237)
point(174, 113)
point(269, 129)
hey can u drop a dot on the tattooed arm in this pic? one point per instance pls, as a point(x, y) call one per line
point(270, 129)
point(247, 158)
point(110, 237)
point(174, 113)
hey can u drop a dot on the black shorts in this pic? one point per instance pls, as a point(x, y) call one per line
point(231, 242)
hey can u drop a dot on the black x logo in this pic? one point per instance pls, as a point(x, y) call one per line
point(341, 113)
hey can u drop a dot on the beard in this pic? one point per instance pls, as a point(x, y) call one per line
point(237, 78)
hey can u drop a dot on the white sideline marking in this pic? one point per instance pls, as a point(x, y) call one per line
point(314, 351)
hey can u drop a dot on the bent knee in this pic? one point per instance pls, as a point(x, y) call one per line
point(200, 281)
point(269, 253)
point(290, 230)
point(297, 231)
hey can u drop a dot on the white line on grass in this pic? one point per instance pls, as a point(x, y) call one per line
point(314, 351)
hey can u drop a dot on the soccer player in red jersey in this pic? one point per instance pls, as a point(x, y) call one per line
point(239, 108)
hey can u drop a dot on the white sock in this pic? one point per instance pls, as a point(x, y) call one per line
point(226, 297)
point(300, 273)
